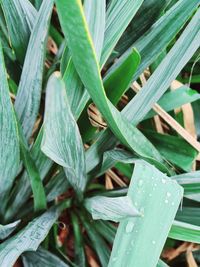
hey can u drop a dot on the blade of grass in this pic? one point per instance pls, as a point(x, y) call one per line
point(19, 14)
point(161, 78)
point(9, 139)
point(41, 258)
point(61, 140)
point(128, 135)
point(29, 92)
point(185, 232)
point(29, 238)
point(119, 14)
point(6, 230)
point(112, 209)
point(156, 196)
point(77, 94)
point(22, 189)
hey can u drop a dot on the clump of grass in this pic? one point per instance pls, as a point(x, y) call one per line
point(99, 133)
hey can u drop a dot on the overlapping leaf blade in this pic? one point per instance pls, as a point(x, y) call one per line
point(113, 209)
point(9, 139)
point(41, 258)
point(61, 140)
point(138, 107)
point(6, 230)
point(29, 91)
point(28, 238)
point(155, 195)
point(119, 14)
point(80, 42)
point(19, 14)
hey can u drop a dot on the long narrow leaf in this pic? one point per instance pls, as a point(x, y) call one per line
point(80, 42)
point(142, 239)
point(29, 92)
point(9, 139)
point(61, 140)
point(113, 209)
point(19, 14)
point(28, 238)
point(119, 14)
point(142, 103)
point(41, 258)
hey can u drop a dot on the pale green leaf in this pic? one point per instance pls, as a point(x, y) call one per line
point(9, 139)
point(19, 14)
point(113, 209)
point(6, 230)
point(29, 92)
point(142, 239)
point(28, 238)
point(61, 140)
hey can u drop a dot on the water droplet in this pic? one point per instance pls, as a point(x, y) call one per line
point(166, 201)
point(163, 181)
point(129, 227)
point(114, 259)
point(140, 183)
point(168, 194)
point(142, 211)
point(155, 185)
point(172, 203)
point(153, 242)
point(150, 195)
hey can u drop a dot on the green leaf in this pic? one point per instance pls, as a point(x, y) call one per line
point(185, 232)
point(190, 182)
point(119, 14)
point(80, 258)
point(175, 99)
point(140, 23)
point(61, 140)
point(174, 149)
point(97, 241)
point(6, 230)
point(56, 186)
point(161, 264)
point(29, 92)
point(9, 139)
point(125, 132)
point(28, 238)
point(95, 13)
point(189, 215)
point(41, 258)
point(19, 14)
point(166, 72)
point(156, 196)
point(106, 229)
point(113, 209)
point(77, 94)
point(22, 190)
point(39, 196)
point(117, 81)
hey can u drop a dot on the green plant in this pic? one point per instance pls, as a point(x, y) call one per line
point(65, 128)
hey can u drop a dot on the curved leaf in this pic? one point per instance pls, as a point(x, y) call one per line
point(113, 209)
point(29, 92)
point(61, 140)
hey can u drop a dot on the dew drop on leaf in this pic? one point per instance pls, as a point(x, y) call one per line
point(129, 227)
